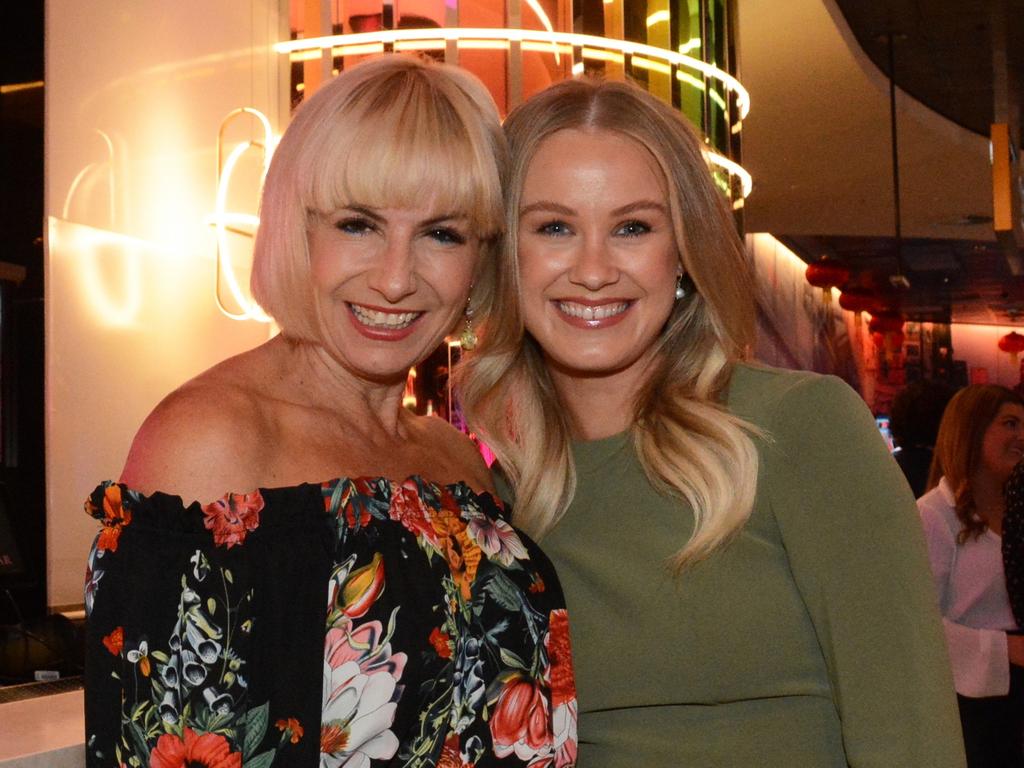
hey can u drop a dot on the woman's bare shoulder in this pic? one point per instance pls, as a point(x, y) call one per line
point(461, 455)
point(206, 438)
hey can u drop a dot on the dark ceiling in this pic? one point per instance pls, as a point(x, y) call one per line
point(943, 49)
point(22, 59)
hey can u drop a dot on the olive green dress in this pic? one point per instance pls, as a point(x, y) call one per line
point(812, 641)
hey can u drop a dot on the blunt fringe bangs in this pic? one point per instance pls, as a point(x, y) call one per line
point(395, 132)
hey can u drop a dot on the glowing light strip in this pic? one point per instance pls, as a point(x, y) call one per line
point(15, 87)
point(625, 47)
point(657, 18)
point(546, 23)
point(82, 174)
point(692, 44)
point(225, 222)
point(88, 247)
point(734, 169)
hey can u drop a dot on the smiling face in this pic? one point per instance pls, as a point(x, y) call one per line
point(389, 283)
point(597, 256)
point(1002, 445)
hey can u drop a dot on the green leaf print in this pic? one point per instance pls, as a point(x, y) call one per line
point(256, 720)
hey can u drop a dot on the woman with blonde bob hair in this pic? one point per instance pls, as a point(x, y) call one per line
point(980, 442)
point(292, 472)
point(746, 573)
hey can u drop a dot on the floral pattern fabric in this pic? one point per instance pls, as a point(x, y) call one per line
point(443, 640)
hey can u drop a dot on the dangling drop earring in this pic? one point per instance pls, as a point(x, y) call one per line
point(680, 290)
point(467, 339)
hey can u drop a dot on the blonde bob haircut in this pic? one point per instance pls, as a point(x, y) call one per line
point(393, 132)
point(958, 448)
point(689, 445)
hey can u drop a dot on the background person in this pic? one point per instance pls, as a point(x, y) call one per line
point(292, 473)
point(916, 412)
point(746, 571)
point(981, 439)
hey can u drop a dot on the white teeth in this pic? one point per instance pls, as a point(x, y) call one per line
point(587, 312)
point(392, 321)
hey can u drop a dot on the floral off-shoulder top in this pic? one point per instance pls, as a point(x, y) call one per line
point(361, 622)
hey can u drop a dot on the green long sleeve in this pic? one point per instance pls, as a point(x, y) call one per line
point(812, 640)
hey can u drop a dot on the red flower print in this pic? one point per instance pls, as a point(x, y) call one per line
point(563, 682)
point(407, 508)
point(233, 517)
point(115, 517)
point(210, 750)
point(441, 643)
point(559, 675)
point(293, 727)
point(537, 585)
point(451, 754)
point(521, 722)
point(114, 642)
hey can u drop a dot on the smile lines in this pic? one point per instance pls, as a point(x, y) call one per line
point(588, 312)
point(392, 321)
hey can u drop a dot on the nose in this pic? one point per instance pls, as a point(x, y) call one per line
point(594, 266)
point(393, 275)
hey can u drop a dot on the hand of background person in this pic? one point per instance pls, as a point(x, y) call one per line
point(1015, 648)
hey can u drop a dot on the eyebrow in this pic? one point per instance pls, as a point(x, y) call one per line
point(553, 207)
point(372, 213)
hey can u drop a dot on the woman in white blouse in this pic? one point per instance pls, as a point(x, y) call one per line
point(981, 439)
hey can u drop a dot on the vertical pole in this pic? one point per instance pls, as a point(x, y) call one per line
point(895, 155)
point(317, 22)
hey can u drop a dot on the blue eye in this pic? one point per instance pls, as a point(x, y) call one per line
point(554, 229)
point(355, 226)
point(447, 236)
point(633, 229)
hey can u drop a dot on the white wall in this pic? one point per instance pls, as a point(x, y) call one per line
point(135, 94)
point(978, 346)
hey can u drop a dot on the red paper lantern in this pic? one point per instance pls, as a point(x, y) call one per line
point(1012, 342)
point(858, 300)
point(891, 341)
point(886, 322)
point(826, 272)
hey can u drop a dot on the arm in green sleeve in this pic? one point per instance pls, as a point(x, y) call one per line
point(857, 554)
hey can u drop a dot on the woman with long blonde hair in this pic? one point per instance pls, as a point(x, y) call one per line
point(741, 554)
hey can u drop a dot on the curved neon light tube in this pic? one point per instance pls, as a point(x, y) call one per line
point(82, 174)
point(392, 36)
point(546, 23)
point(734, 169)
point(224, 221)
point(221, 219)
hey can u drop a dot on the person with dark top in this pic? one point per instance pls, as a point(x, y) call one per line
point(1013, 541)
point(295, 570)
point(916, 412)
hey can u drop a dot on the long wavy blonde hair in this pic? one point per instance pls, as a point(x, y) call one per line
point(688, 443)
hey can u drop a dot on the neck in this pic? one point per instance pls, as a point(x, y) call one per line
point(601, 405)
point(322, 383)
point(989, 504)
